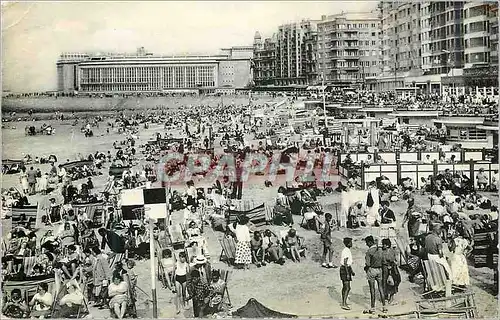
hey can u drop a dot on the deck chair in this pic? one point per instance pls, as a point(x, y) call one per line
point(228, 253)
point(401, 245)
point(224, 274)
point(175, 233)
point(436, 281)
point(24, 215)
point(81, 311)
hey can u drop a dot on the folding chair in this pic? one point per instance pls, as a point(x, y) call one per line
point(228, 246)
point(436, 281)
point(224, 274)
point(402, 251)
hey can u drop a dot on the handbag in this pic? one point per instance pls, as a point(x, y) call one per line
point(390, 280)
point(369, 200)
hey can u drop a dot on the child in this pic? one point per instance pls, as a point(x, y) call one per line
point(292, 243)
point(168, 264)
point(257, 251)
point(326, 238)
point(346, 272)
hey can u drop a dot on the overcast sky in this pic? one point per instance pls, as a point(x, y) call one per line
point(35, 33)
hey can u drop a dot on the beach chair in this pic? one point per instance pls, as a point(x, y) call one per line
point(436, 280)
point(457, 306)
point(401, 245)
point(224, 274)
point(22, 216)
point(228, 253)
point(94, 211)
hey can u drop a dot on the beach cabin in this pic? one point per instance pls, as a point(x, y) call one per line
point(407, 92)
point(415, 117)
point(470, 132)
point(376, 112)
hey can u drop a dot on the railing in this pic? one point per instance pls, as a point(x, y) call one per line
point(364, 173)
point(462, 156)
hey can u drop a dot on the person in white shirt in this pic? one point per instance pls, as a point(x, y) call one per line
point(346, 272)
point(42, 301)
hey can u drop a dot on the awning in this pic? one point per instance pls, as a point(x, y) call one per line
point(488, 128)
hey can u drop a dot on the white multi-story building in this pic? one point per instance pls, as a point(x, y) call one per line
point(348, 48)
point(145, 72)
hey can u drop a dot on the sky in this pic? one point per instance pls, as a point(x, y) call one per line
point(34, 34)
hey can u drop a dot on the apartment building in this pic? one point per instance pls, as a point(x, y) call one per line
point(264, 61)
point(481, 44)
point(348, 49)
point(296, 53)
point(422, 45)
point(401, 42)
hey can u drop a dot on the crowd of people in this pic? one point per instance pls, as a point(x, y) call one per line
point(93, 259)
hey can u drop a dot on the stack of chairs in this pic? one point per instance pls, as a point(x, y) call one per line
point(485, 250)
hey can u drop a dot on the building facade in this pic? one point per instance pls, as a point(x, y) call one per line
point(145, 72)
point(439, 46)
point(264, 61)
point(481, 44)
point(296, 53)
point(348, 48)
point(401, 42)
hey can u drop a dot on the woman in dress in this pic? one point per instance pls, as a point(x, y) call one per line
point(102, 273)
point(413, 256)
point(118, 291)
point(413, 216)
point(243, 252)
point(282, 207)
point(24, 182)
point(42, 302)
point(391, 277)
point(191, 194)
point(458, 261)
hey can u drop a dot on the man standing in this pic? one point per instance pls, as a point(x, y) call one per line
point(238, 183)
point(31, 181)
point(200, 292)
point(434, 247)
point(373, 268)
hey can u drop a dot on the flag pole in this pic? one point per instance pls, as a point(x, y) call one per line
point(153, 268)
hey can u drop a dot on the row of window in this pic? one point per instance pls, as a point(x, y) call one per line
point(173, 76)
point(332, 26)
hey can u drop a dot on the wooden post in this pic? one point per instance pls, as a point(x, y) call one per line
point(483, 154)
point(363, 174)
point(419, 155)
point(434, 168)
point(471, 172)
point(153, 271)
point(398, 173)
point(462, 155)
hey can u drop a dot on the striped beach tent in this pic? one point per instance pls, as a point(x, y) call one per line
point(94, 211)
point(257, 215)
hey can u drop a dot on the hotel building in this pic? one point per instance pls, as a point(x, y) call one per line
point(264, 60)
point(296, 53)
point(481, 44)
point(348, 48)
point(145, 72)
point(439, 46)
